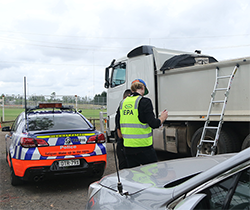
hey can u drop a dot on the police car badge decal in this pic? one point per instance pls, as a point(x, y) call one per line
point(67, 141)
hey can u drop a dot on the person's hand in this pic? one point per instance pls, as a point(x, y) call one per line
point(119, 133)
point(164, 116)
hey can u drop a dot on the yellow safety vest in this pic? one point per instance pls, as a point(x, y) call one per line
point(135, 133)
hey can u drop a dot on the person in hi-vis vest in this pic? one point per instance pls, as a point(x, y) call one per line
point(136, 121)
point(122, 162)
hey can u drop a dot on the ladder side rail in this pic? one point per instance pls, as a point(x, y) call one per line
point(216, 139)
point(231, 80)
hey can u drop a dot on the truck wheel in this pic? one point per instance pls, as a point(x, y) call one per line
point(246, 142)
point(225, 143)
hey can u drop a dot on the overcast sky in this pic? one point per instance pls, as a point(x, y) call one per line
point(63, 46)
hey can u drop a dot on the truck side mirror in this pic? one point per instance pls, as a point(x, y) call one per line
point(106, 84)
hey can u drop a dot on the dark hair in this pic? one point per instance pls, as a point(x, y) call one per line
point(127, 93)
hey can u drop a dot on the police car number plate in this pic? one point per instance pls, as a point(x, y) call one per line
point(64, 163)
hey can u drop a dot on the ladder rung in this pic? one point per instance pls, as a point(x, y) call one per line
point(222, 101)
point(207, 141)
point(222, 77)
point(210, 127)
point(214, 114)
point(205, 155)
point(219, 89)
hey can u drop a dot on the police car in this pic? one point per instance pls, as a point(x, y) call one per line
point(51, 140)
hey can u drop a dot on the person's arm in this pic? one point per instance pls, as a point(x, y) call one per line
point(146, 114)
point(117, 118)
point(117, 123)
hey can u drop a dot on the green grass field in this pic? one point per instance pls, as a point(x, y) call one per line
point(10, 114)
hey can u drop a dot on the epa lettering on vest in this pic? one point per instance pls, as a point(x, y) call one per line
point(128, 112)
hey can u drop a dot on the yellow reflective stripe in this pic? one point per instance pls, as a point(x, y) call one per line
point(67, 135)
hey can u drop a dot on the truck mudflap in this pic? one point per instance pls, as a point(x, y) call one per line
point(104, 127)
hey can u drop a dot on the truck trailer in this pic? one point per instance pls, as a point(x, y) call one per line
point(182, 83)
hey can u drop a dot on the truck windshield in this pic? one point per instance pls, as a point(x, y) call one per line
point(118, 75)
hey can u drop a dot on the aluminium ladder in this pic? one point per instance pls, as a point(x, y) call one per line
point(211, 105)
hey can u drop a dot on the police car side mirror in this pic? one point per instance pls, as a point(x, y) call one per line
point(6, 129)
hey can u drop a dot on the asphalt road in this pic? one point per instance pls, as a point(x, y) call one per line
point(60, 193)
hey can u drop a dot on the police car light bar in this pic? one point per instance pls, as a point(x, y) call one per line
point(50, 105)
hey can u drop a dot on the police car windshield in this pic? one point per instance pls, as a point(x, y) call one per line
point(56, 121)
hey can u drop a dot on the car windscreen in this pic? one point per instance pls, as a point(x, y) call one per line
point(56, 121)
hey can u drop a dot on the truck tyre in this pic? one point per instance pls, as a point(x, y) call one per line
point(225, 143)
point(246, 142)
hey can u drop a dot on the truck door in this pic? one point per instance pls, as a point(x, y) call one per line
point(115, 91)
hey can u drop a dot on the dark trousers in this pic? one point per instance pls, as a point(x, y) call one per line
point(120, 154)
point(142, 157)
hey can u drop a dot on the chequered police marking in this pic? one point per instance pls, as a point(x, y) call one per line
point(34, 154)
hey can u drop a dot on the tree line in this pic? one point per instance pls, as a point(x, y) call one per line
point(99, 99)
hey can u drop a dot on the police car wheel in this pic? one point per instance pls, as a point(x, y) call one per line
point(6, 157)
point(98, 173)
point(14, 180)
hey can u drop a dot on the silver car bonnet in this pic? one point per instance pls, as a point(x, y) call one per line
point(161, 174)
point(149, 186)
